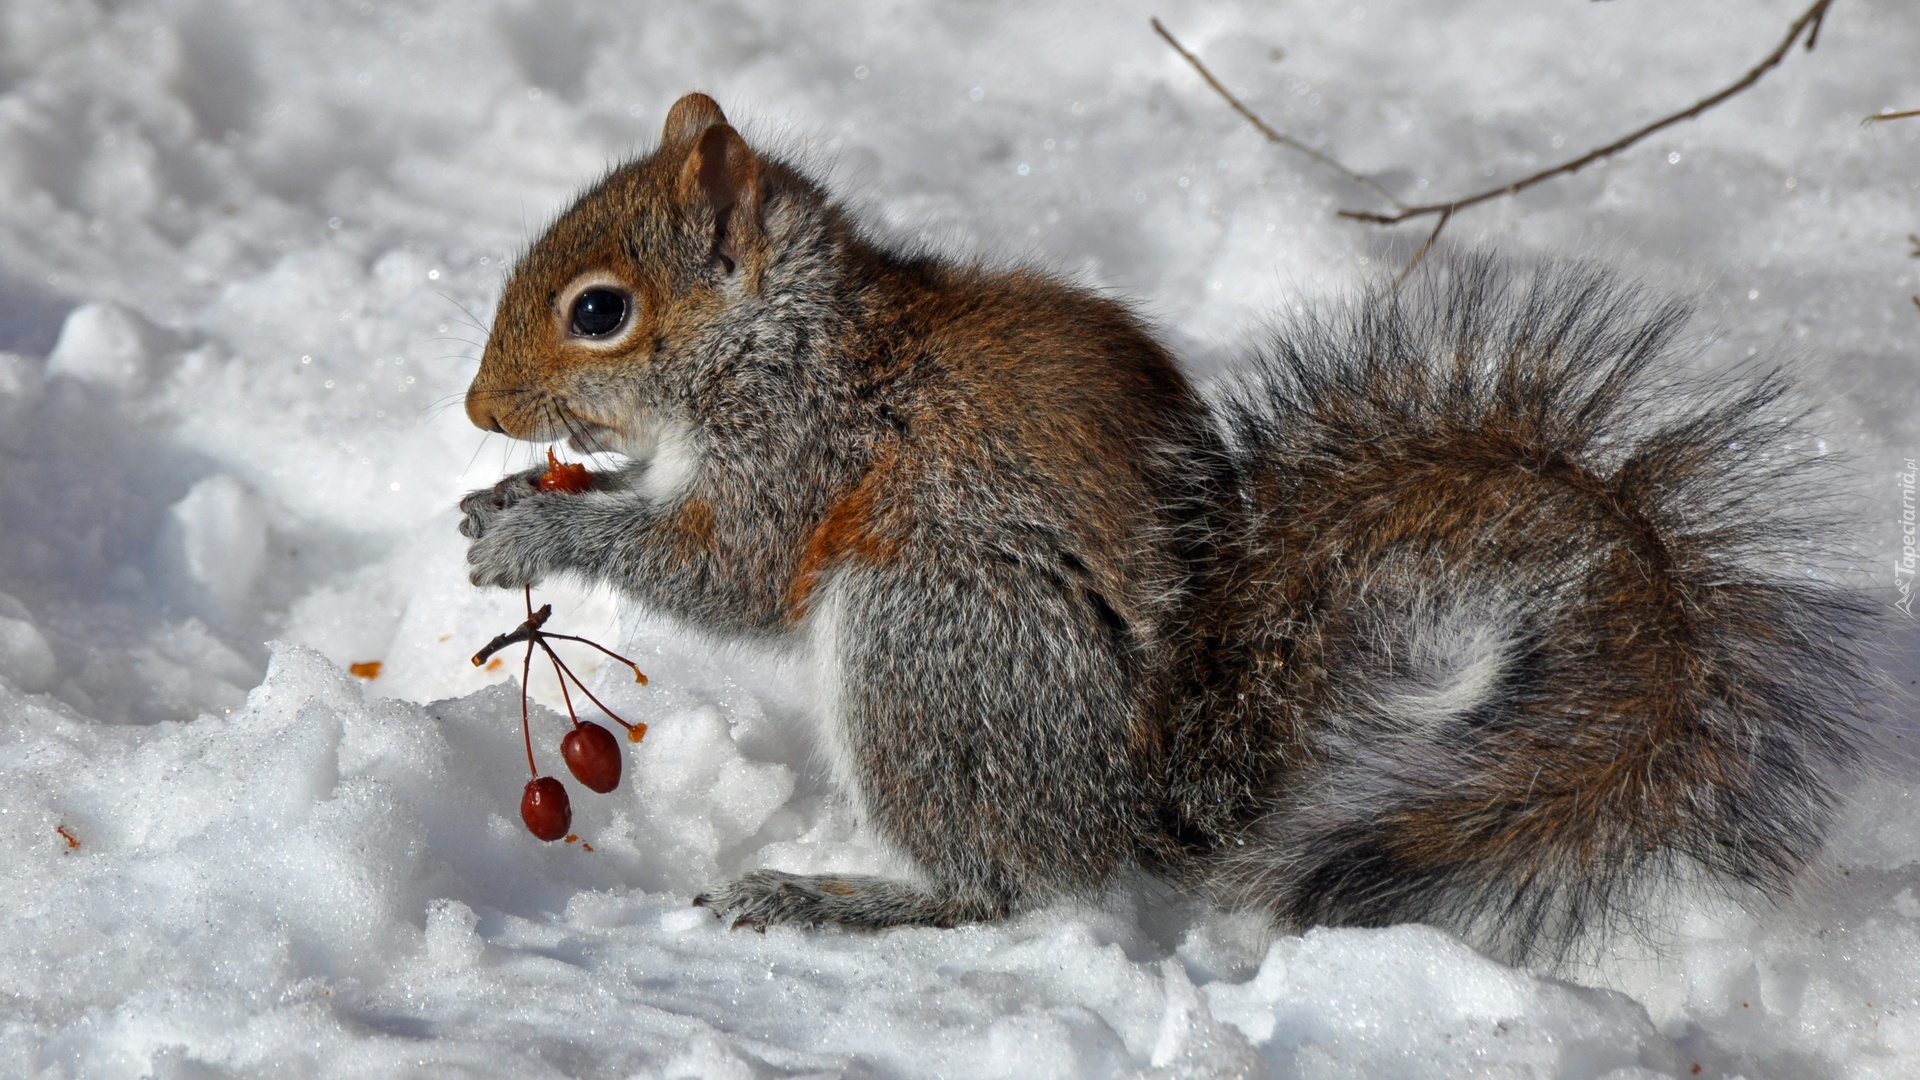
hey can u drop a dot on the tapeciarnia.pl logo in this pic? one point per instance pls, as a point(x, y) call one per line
point(1903, 567)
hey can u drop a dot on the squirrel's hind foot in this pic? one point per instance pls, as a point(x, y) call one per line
point(766, 898)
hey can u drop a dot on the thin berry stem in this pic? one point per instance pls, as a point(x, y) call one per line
point(638, 675)
point(562, 680)
point(530, 632)
point(526, 728)
point(562, 665)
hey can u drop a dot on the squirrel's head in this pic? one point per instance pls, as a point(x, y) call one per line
point(640, 264)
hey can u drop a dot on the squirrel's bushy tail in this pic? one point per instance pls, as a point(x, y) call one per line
point(1544, 622)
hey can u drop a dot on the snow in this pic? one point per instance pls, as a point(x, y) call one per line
point(247, 251)
point(104, 344)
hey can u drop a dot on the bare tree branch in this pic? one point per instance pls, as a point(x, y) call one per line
point(1808, 24)
point(1891, 116)
point(1266, 129)
point(1420, 252)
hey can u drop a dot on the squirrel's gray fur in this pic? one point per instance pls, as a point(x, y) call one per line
point(1465, 606)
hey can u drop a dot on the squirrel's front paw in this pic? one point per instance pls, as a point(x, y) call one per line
point(507, 553)
point(500, 521)
point(480, 508)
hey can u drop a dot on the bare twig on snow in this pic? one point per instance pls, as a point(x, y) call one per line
point(1267, 129)
point(1807, 25)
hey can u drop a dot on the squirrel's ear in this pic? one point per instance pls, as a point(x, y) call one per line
point(720, 188)
point(690, 116)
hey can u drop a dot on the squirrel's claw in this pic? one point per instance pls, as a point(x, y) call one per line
point(743, 922)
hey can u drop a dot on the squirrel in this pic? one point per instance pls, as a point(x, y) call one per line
point(1466, 606)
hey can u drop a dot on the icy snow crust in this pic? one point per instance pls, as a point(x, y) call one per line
point(243, 249)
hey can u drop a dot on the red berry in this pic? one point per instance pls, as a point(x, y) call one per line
point(544, 807)
point(565, 477)
point(593, 754)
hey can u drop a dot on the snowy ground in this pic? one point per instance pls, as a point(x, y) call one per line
point(242, 252)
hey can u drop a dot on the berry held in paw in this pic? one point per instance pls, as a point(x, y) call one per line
point(564, 476)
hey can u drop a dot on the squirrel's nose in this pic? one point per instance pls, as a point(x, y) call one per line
point(482, 415)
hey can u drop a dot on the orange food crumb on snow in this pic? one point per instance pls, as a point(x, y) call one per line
point(366, 669)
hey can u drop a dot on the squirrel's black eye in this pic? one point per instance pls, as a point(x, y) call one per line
point(598, 312)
